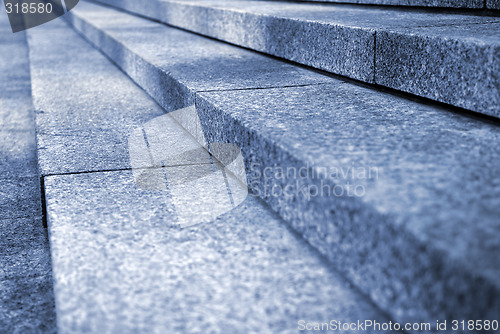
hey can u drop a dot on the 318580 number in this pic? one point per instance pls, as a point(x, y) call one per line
point(474, 325)
point(32, 8)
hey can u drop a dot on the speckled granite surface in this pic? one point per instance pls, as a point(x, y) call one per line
point(19, 194)
point(196, 63)
point(493, 4)
point(88, 132)
point(121, 262)
point(26, 295)
point(425, 223)
point(344, 39)
point(119, 265)
point(461, 70)
point(82, 118)
point(391, 240)
point(20, 191)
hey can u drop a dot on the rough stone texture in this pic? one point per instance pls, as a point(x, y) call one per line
point(20, 197)
point(459, 65)
point(343, 50)
point(398, 238)
point(85, 108)
point(121, 263)
point(17, 156)
point(88, 132)
point(329, 126)
point(26, 295)
point(341, 39)
point(493, 4)
point(15, 104)
point(119, 266)
point(19, 191)
point(197, 64)
point(25, 278)
point(424, 3)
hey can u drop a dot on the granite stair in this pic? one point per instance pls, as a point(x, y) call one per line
point(255, 166)
point(399, 194)
point(452, 58)
point(122, 260)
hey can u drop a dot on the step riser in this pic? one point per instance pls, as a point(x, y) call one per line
point(344, 58)
point(358, 251)
point(453, 71)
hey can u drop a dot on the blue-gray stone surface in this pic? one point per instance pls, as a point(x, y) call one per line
point(119, 265)
point(82, 119)
point(493, 4)
point(396, 241)
point(459, 65)
point(88, 132)
point(425, 223)
point(344, 40)
point(19, 194)
point(26, 295)
point(20, 191)
point(196, 63)
point(121, 261)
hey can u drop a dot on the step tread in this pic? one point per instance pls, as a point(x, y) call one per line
point(422, 178)
point(121, 265)
point(71, 135)
point(451, 68)
point(81, 127)
point(406, 223)
point(26, 296)
point(18, 172)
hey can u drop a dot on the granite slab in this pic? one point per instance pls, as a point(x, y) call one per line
point(26, 295)
point(121, 265)
point(18, 152)
point(458, 65)
point(83, 120)
point(27, 299)
point(171, 64)
point(409, 200)
point(20, 197)
point(493, 4)
point(343, 39)
point(403, 197)
point(85, 127)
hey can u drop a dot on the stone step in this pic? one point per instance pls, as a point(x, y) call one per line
point(401, 196)
point(466, 4)
point(26, 296)
point(449, 58)
point(124, 260)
